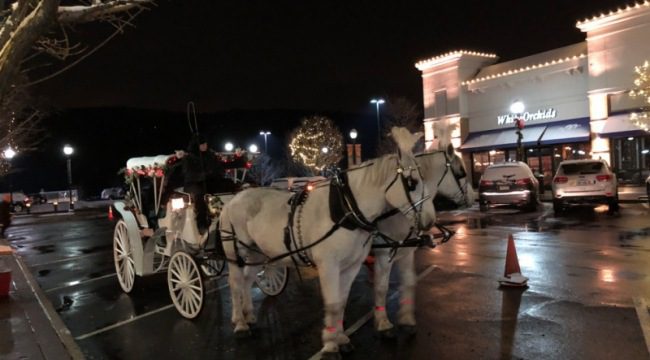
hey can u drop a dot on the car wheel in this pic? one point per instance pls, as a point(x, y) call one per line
point(483, 206)
point(18, 208)
point(558, 208)
point(613, 205)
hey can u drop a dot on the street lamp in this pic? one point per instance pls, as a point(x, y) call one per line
point(68, 151)
point(353, 136)
point(9, 154)
point(378, 102)
point(229, 146)
point(252, 148)
point(325, 150)
point(518, 108)
point(265, 134)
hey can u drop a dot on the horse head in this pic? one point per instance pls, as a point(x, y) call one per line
point(407, 191)
point(453, 183)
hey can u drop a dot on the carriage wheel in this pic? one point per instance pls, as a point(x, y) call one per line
point(185, 285)
point(272, 279)
point(123, 256)
point(212, 267)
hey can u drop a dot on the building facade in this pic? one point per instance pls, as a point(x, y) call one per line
point(576, 101)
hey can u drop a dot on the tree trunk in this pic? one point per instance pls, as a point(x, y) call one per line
point(21, 41)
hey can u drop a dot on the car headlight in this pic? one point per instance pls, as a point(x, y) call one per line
point(178, 203)
point(214, 205)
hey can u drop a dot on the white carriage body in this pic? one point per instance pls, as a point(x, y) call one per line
point(179, 225)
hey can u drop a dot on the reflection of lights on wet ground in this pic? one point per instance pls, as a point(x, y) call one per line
point(607, 275)
point(527, 261)
point(601, 208)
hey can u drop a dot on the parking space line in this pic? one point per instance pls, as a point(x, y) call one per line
point(644, 319)
point(75, 283)
point(65, 259)
point(365, 318)
point(124, 322)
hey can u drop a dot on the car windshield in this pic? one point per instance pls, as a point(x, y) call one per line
point(582, 168)
point(505, 173)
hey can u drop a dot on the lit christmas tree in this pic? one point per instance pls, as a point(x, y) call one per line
point(641, 90)
point(317, 143)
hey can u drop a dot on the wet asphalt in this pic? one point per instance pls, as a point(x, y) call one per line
point(586, 270)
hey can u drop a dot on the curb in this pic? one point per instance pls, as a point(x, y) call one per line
point(55, 320)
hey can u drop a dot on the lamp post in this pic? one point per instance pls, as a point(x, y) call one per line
point(378, 102)
point(252, 148)
point(353, 136)
point(518, 108)
point(68, 151)
point(229, 146)
point(265, 134)
point(9, 154)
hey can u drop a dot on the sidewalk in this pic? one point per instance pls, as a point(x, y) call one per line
point(30, 328)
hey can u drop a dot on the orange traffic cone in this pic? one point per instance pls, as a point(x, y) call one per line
point(110, 213)
point(512, 274)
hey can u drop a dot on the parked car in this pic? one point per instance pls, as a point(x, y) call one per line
point(584, 182)
point(295, 183)
point(112, 193)
point(19, 200)
point(508, 183)
point(37, 198)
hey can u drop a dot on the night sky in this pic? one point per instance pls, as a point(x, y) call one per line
point(316, 55)
point(238, 60)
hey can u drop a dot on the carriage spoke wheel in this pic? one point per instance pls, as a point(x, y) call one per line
point(123, 256)
point(185, 285)
point(272, 279)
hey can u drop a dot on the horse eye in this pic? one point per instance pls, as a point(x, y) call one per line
point(412, 184)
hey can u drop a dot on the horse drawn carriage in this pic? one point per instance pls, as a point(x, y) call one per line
point(157, 232)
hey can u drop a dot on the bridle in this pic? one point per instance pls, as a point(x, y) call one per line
point(409, 184)
point(457, 174)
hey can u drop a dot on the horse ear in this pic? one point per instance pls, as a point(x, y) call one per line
point(450, 150)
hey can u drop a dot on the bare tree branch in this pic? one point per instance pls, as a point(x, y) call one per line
point(97, 10)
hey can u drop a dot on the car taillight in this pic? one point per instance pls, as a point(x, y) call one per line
point(603, 177)
point(486, 183)
point(560, 179)
point(524, 181)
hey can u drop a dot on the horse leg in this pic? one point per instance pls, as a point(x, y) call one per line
point(237, 290)
point(347, 278)
point(382, 279)
point(406, 313)
point(329, 276)
point(250, 272)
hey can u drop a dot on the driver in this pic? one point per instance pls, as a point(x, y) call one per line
point(203, 173)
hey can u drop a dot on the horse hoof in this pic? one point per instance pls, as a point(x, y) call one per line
point(330, 356)
point(409, 330)
point(388, 334)
point(243, 334)
point(346, 348)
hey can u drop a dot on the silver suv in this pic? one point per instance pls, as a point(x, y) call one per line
point(584, 182)
point(508, 183)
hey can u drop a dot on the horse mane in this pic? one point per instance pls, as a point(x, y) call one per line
point(425, 161)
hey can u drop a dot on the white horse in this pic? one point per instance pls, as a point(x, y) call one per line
point(444, 173)
point(254, 222)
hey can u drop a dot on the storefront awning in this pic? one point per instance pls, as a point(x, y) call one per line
point(490, 140)
point(566, 132)
point(620, 126)
point(552, 133)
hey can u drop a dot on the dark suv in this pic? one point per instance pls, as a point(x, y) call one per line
point(508, 183)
